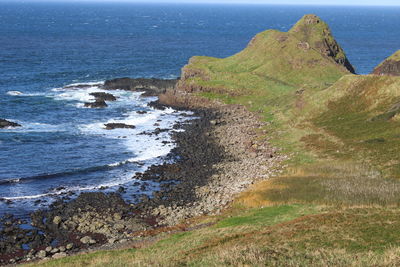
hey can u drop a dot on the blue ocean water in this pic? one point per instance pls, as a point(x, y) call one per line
point(44, 47)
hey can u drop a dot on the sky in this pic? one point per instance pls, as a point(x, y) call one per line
point(289, 2)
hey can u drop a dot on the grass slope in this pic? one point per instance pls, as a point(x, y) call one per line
point(338, 202)
point(394, 57)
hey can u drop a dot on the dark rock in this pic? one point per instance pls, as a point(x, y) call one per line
point(101, 96)
point(141, 112)
point(8, 124)
point(151, 86)
point(157, 131)
point(157, 105)
point(81, 86)
point(121, 189)
point(97, 104)
point(111, 126)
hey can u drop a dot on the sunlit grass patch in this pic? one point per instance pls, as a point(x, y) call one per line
point(329, 183)
point(265, 216)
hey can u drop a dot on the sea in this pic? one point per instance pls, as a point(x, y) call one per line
point(48, 49)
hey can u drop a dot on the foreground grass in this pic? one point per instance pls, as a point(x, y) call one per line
point(289, 235)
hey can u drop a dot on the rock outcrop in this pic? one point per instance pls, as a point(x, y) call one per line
point(101, 96)
point(315, 34)
point(150, 86)
point(112, 126)
point(390, 66)
point(97, 104)
point(100, 100)
point(8, 124)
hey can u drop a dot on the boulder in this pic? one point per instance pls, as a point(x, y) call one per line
point(97, 104)
point(41, 254)
point(112, 126)
point(59, 255)
point(57, 220)
point(101, 96)
point(87, 240)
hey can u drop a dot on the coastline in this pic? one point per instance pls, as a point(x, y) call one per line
point(219, 154)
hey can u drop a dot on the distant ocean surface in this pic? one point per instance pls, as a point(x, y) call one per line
point(44, 47)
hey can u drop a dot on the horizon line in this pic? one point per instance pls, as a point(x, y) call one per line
point(187, 2)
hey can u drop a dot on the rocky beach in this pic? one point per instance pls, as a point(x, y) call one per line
point(217, 155)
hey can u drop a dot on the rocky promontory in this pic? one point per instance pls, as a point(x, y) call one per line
point(152, 87)
point(307, 56)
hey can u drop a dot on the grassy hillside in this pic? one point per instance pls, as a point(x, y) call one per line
point(337, 204)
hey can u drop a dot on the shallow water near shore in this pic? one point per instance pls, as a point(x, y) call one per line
point(62, 146)
point(73, 152)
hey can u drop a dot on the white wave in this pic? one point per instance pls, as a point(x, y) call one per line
point(76, 95)
point(29, 197)
point(18, 93)
point(14, 93)
point(31, 127)
point(118, 182)
point(87, 83)
point(149, 149)
point(82, 95)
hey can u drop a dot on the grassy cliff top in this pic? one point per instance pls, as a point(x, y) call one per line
point(390, 66)
point(305, 57)
point(395, 57)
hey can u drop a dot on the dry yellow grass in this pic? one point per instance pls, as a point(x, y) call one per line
point(328, 183)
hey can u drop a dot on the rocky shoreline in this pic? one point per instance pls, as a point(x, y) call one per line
point(219, 154)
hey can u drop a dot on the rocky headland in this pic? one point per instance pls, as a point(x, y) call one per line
point(151, 87)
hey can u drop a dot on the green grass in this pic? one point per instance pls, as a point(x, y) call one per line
point(357, 237)
point(264, 216)
point(352, 119)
